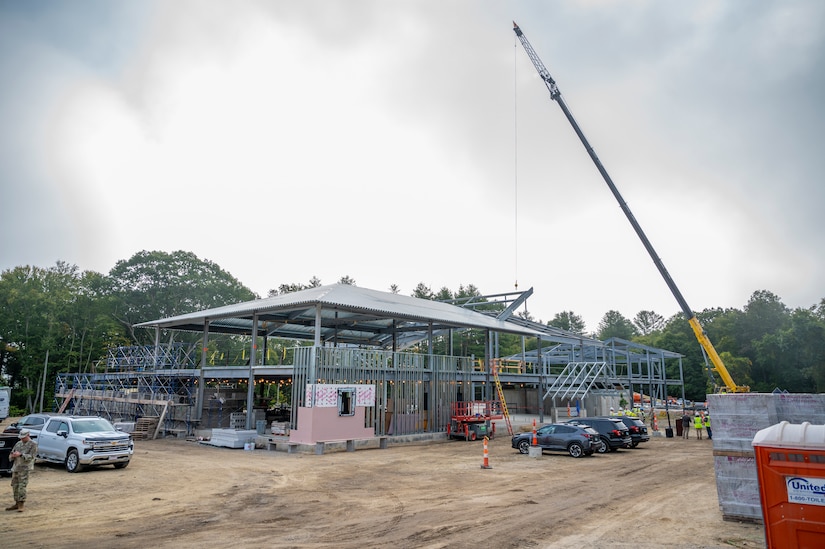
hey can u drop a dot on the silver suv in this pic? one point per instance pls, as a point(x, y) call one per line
point(79, 442)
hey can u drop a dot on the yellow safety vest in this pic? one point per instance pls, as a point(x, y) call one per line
point(697, 422)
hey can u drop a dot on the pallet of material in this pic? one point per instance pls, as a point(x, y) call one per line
point(145, 428)
point(231, 438)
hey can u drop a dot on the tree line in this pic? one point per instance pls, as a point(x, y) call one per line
point(74, 317)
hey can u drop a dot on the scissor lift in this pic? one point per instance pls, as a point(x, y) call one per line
point(473, 420)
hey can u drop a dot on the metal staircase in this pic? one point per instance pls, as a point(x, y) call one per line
point(576, 380)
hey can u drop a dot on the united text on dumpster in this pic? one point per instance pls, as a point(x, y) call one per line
point(806, 490)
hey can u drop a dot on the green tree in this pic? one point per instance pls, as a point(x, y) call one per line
point(153, 285)
point(647, 322)
point(721, 327)
point(615, 324)
point(60, 311)
point(314, 282)
point(764, 314)
point(422, 291)
point(92, 324)
point(569, 321)
point(739, 368)
point(444, 294)
point(24, 328)
point(678, 336)
point(792, 358)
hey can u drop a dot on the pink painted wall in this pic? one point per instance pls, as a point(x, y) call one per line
point(324, 423)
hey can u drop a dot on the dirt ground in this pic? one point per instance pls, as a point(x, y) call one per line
point(182, 494)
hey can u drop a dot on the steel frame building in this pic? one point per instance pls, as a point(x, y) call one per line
point(364, 336)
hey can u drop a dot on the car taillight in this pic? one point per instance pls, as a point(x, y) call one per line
point(634, 429)
point(617, 433)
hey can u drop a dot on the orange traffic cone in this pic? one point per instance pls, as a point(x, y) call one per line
point(535, 439)
point(486, 463)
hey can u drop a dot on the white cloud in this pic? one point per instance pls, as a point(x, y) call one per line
point(285, 141)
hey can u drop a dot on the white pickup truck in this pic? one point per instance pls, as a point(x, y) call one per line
point(80, 442)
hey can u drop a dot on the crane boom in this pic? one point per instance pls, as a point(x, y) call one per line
point(699, 332)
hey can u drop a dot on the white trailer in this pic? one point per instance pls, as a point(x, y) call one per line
point(5, 402)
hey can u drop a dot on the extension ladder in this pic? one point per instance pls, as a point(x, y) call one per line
point(503, 402)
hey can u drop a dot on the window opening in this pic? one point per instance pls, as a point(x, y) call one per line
point(346, 402)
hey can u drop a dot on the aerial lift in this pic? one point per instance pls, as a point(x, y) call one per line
point(473, 420)
point(707, 346)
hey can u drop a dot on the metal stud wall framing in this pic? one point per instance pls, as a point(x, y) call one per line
point(413, 391)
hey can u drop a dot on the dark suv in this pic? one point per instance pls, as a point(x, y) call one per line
point(576, 440)
point(614, 433)
point(33, 422)
point(637, 428)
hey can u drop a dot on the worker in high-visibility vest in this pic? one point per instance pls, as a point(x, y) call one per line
point(707, 426)
point(697, 424)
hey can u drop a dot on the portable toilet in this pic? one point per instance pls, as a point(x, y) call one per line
point(790, 464)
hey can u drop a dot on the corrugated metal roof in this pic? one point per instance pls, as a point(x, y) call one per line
point(349, 314)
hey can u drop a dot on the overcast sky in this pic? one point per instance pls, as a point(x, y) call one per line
point(405, 142)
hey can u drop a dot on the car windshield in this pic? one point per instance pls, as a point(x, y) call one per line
point(92, 426)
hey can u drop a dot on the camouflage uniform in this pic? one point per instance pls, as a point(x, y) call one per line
point(21, 468)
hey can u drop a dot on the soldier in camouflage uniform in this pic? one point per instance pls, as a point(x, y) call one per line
point(23, 455)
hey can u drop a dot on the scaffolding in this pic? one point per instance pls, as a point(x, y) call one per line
point(127, 397)
point(138, 358)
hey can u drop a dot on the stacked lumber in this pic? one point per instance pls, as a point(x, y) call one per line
point(145, 428)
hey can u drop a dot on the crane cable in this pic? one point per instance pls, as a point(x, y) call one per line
point(515, 159)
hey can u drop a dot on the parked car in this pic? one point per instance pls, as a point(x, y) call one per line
point(33, 422)
point(576, 440)
point(7, 442)
point(614, 433)
point(637, 428)
point(82, 441)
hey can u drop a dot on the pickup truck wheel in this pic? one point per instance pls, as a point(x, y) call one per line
point(73, 462)
point(121, 465)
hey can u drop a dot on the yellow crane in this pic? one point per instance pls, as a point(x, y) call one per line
point(701, 336)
